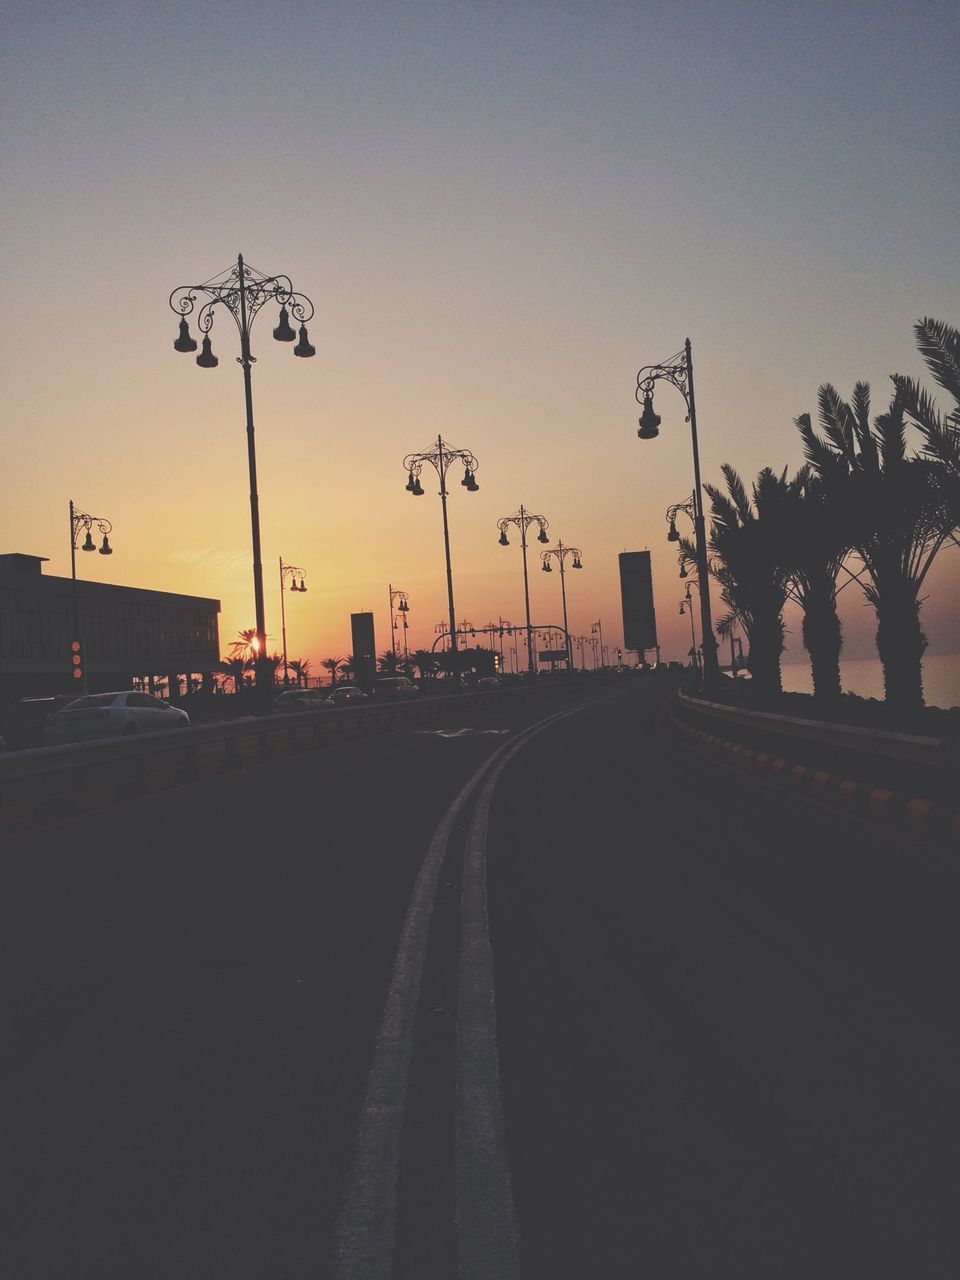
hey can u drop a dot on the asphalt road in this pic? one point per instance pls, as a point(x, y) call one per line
point(235, 1046)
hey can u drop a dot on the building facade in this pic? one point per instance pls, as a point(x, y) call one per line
point(130, 636)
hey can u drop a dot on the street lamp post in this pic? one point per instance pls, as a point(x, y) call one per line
point(288, 571)
point(242, 291)
point(441, 457)
point(596, 628)
point(403, 609)
point(560, 553)
point(678, 371)
point(523, 519)
point(688, 602)
point(81, 520)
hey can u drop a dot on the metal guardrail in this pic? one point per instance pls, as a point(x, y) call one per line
point(903, 748)
point(45, 781)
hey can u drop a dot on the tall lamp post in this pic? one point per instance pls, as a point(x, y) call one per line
point(523, 519)
point(596, 628)
point(403, 608)
point(560, 553)
point(686, 606)
point(441, 457)
point(242, 291)
point(288, 571)
point(678, 371)
point(81, 520)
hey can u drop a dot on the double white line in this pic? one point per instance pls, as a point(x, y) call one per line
point(486, 1220)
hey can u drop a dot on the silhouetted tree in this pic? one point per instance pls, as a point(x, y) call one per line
point(301, 669)
point(233, 669)
point(425, 662)
point(746, 547)
point(244, 646)
point(896, 521)
point(334, 666)
point(816, 542)
point(388, 662)
point(347, 668)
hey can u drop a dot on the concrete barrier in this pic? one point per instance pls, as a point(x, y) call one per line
point(45, 783)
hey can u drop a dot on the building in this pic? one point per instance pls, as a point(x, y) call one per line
point(364, 649)
point(130, 636)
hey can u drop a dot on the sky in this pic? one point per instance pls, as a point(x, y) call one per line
point(500, 212)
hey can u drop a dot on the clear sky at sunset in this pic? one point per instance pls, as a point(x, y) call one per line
point(500, 211)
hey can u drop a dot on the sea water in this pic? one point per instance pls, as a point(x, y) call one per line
point(864, 676)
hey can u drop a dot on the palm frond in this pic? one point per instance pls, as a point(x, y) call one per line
point(738, 493)
point(939, 344)
point(837, 421)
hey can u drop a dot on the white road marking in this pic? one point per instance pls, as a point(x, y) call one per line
point(367, 1226)
point(461, 733)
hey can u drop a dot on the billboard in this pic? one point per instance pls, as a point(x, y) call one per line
point(636, 596)
point(364, 649)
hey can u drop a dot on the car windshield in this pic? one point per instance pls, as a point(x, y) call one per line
point(92, 700)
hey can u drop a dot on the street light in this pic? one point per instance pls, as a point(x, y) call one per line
point(688, 602)
point(560, 553)
point(287, 571)
point(523, 519)
point(678, 371)
point(596, 628)
point(242, 291)
point(441, 457)
point(403, 608)
point(81, 520)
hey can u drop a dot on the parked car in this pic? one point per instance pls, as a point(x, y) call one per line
point(25, 720)
point(301, 700)
point(343, 694)
point(112, 715)
point(394, 687)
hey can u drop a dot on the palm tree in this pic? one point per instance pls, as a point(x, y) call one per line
point(333, 665)
point(347, 668)
point(816, 543)
point(301, 669)
point(747, 558)
point(233, 668)
point(894, 507)
point(939, 344)
point(245, 645)
point(388, 662)
point(425, 662)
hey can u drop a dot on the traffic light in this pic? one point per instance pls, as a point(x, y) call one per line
point(76, 659)
point(497, 662)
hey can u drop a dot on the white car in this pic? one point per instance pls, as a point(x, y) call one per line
point(112, 715)
point(301, 700)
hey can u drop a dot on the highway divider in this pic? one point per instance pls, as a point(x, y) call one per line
point(900, 780)
point(46, 783)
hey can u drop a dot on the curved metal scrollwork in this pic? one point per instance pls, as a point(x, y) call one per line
point(241, 289)
point(673, 371)
point(441, 457)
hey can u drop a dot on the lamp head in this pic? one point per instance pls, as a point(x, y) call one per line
point(542, 535)
point(88, 544)
point(302, 586)
point(206, 359)
point(105, 549)
point(417, 489)
point(284, 330)
point(504, 540)
point(649, 421)
point(577, 562)
point(683, 570)
point(303, 347)
point(546, 567)
point(673, 534)
point(184, 342)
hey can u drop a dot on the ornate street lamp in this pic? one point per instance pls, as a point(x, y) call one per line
point(292, 572)
point(81, 520)
point(523, 519)
point(596, 628)
point(242, 291)
point(686, 606)
point(441, 457)
point(678, 371)
point(560, 553)
point(403, 608)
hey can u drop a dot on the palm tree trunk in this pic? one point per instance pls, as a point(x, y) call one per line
point(766, 645)
point(900, 644)
point(823, 640)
